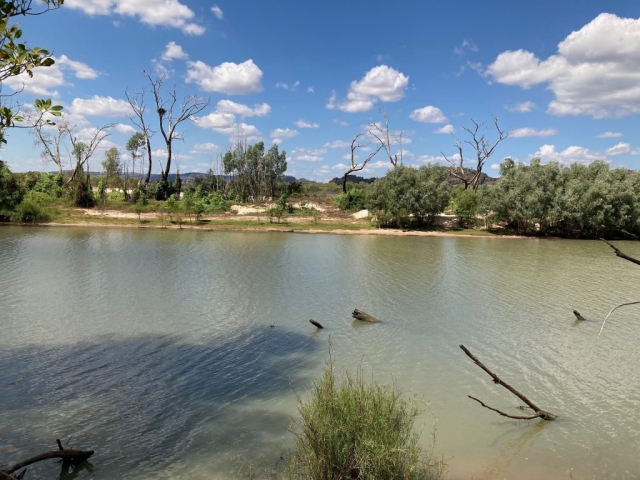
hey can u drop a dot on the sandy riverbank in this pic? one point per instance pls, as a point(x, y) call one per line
point(252, 223)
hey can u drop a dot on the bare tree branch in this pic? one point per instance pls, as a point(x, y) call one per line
point(99, 134)
point(483, 150)
point(621, 254)
point(386, 139)
point(516, 417)
point(357, 166)
point(139, 108)
point(170, 119)
point(539, 412)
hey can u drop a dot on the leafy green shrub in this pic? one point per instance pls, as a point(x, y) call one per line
point(50, 184)
point(354, 199)
point(215, 203)
point(116, 196)
point(10, 193)
point(33, 209)
point(465, 206)
point(359, 429)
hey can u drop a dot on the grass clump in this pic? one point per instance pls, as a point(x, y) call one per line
point(355, 429)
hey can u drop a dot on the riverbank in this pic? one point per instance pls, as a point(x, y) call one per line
point(250, 223)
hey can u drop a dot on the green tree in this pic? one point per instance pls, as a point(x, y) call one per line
point(16, 58)
point(256, 174)
point(406, 195)
point(10, 194)
point(111, 164)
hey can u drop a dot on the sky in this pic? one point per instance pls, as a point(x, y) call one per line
point(563, 77)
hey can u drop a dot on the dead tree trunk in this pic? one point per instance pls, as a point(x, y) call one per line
point(539, 413)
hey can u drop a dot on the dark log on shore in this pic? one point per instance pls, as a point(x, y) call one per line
point(315, 324)
point(578, 316)
point(364, 316)
point(539, 413)
point(73, 456)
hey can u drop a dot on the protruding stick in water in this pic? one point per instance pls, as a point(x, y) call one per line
point(315, 324)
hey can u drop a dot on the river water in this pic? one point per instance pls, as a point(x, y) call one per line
point(154, 348)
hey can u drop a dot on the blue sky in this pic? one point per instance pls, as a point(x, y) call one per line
point(562, 76)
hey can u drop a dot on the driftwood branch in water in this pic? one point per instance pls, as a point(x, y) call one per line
point(578, 316)
point(539, 413)
point(613, 310)
point(73, 456)
point(315, 324)
point(517, 417)
point(621, 254)
point(364, 316)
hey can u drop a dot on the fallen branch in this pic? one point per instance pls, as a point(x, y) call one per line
point(364, 316)
point(73, 456)
point(315, 324)
point(621, 254)
point(539, 413)
point(517, 417)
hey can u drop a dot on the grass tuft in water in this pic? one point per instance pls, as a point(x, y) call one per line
point(356, 429)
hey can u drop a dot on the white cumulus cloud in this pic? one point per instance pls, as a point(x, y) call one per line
point(174, 51)
point(596, 71)
point(304, 124)
point(100, 107)
point(258, 110)
point(428, 114)
point(521, 107)
point(381, 83)
point(217, 11)
point(279, 135)
point(125, 129)
point(446, 129)
point(204, 148)
point(169, 13)
point(532, 132)
point(228, 77)
point(572, 154)
point(609, 135)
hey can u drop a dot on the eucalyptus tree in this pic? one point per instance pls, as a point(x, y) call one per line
point(255, 174)
point(111, 164)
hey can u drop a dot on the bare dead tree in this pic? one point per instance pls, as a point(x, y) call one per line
point(83, 151)
point(169, 119)
point(356, 166)
point(483, 149)
point(139, 108)
point(538, 412)
point(49, 134)
point(386, 139)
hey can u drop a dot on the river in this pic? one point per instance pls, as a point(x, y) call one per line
point(155, 348)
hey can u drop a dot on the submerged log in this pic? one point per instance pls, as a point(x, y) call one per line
point(364, 316)
point(73, 456)
point(315, 324)
point(578, 316)
point(538, 412)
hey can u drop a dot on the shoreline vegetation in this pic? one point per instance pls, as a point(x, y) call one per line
point(81, 218)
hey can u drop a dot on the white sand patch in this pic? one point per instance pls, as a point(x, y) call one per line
point(244, 210)
point(361, 214)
